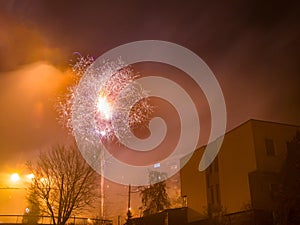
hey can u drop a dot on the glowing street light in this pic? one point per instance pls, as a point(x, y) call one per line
point(30, 176)
point(15, 177)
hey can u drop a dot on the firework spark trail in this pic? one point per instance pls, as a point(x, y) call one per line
point(102, 186)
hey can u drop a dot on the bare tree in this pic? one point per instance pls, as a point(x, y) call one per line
point(64, 183)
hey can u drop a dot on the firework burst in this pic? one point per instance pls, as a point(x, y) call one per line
point(101, 108)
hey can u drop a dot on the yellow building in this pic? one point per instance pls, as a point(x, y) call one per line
point(244, 174)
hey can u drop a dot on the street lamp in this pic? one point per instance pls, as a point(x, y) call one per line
point(15, 177)
point(30, 176)
point(129, 214)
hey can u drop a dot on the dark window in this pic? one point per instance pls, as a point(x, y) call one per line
point(207, 180)
point(184, 201)
point(216, 162)
point(270, 149)
point(210, 169)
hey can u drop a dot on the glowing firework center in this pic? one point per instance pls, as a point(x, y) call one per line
point(104, 107)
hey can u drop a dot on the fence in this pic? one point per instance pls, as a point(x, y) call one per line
point(24, 219)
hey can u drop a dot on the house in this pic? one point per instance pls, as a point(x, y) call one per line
point(243, 176)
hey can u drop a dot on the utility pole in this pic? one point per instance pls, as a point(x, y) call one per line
point(119, 220)
point(129, 214)
point(129, 192)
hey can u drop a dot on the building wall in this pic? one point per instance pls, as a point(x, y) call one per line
point(247, 168)
point(194, 186)
point(177, 216)
point(264, 182)
point(279, 134)
point(236, 160)
point(260, 190)
point(213, 185)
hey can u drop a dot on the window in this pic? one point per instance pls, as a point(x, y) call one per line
point(270, 149)
point(184, 201)
point(216, 164)
point(210, 169)
point(207, 180)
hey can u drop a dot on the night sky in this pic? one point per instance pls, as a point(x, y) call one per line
point(251, 46)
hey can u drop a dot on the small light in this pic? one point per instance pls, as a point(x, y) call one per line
point(30, 176)
point(156, 165)
point(173, 167)
point(27, 210)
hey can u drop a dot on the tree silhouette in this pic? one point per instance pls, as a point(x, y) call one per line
point(155, 197)
point(288, 211)
point(33, 210)
point(63, 183)
point(216, 215)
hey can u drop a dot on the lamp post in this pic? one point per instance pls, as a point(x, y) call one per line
point(129, 214)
